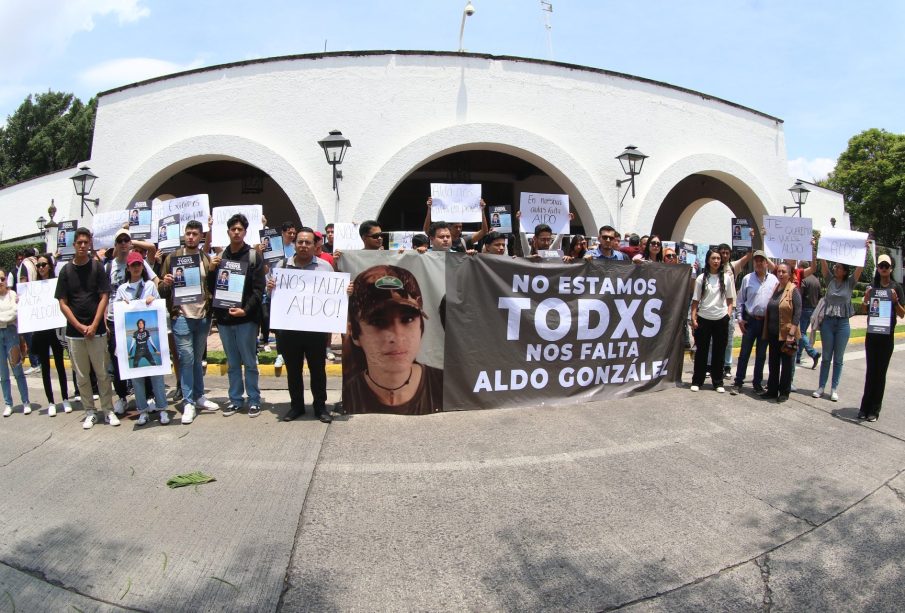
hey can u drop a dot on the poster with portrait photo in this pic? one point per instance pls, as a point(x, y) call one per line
point(394, 346)
point(66, 240)
point(880, 312)
point(272, 245)
point(168, 235)
point(140, 217)
point(500, 218)
point(186, 271)
point(687, 252)
point(230, 284)
point(142, 349)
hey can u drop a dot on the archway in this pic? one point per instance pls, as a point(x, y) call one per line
point(689, 196)
point(502, 177)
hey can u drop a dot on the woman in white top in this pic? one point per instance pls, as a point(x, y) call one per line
point(9, 347)
point(140, 288)
point(711, 305)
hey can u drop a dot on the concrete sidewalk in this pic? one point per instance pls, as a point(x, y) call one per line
point(666, 501)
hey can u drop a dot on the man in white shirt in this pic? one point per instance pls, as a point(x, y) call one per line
point(753, 296)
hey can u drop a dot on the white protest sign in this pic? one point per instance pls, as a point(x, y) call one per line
point(843, 246)
point(142, 349)
point(346, 238)
point(309, 300)
point(401, 240)
point(38, 309)
point(219, 233)
point(788, 238)
point(188, 208)
point(456, 202)
point(105, 227)
point(551, 209)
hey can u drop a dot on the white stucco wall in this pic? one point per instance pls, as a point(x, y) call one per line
point(403, 109)
point(22, 204)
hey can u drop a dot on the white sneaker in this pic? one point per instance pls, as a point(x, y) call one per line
point(32, 369)
point(90, 420)
point(278, 363)
point(265, 348)
point(817, 392)
point(26, 409)
point(7, 411)
point(52, 410)
point(112, 419)
point(207, 405)
point(152, 405)
point(721, 390)
point(76, 398)
point(834, 396)
point(67, 408)
point(695, 388)
point(119, 406)
point(188, 414)
point(142, 418)
point(203, 363)
point(331, 356)
point(164, 418)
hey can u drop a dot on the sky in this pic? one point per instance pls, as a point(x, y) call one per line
point(828, 68)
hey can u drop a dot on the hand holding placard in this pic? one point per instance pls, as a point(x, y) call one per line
point(843, 246)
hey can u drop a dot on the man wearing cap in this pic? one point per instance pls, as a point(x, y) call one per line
point(757, 288)
point(386, 325)
point(319, 250)
point(298, 346)
point(810, 296)
point(117, 270)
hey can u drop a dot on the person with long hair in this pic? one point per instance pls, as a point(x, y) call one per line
point(578, 247)
point(10, 349)
point(781, 329)
point(711, 305)
point(835, 328)
point(45, 342)
point(653, 250)
point(878, 347)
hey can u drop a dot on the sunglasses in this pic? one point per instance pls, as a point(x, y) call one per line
point(374, 236)
point(884, 265)
point(670, 256)
point(655, 244)
point(42, 264)
point(123, 239)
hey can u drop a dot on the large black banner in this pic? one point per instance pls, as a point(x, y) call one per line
point(448, 331)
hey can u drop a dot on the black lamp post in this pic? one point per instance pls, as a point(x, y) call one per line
point(83, 181)
point(799, 196)
point(632, 161)
point(334, 146)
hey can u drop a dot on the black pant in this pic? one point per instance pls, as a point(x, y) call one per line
point(780, 381)
point(295, 347)
point(265, 323)
point(878, 351)
point(42, 343)
point(716, 331)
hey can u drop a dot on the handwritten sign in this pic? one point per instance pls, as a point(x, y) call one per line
point(106, 225)
point(455, 202)
point(188, 207)
point(788, 238)
point(38, 309)
point(843, 246)
point(346, 238)
point(309, 300)
point(551, 209)
point(401, 240)
point(220, 234)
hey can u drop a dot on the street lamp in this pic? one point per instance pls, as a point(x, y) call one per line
point(334, 146)
point(468, 12)
point(83, 181)
point(41, 221)
point(631, 160)
point(799, 196)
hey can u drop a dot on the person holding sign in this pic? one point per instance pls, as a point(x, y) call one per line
point(296, 346)
point(835, 328)
point(781, 330)
point(878, 346)
point(10, 355)
point(46, 341)
point(458, 242)
point(191, 322)
point(238, 325)
point(711, 304)
point(386, 323)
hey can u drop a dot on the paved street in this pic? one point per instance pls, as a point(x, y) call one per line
point(667, 501)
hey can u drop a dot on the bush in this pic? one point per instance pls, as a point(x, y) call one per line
point(8, 253)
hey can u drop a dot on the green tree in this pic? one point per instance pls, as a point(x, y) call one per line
point(870, 174)
point(48, 132)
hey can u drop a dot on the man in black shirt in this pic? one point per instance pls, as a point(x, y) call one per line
point(83, 289)
point(810, 296)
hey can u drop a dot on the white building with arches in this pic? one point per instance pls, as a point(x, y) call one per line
point(247, 132)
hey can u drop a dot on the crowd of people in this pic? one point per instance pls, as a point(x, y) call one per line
point(773, 306)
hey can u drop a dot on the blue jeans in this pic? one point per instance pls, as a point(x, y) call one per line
point(752, 339)
point(804, 344)
point(240, 345)
point(834, 332)
point(191, 341)
point(160, 393)
point(9, 340)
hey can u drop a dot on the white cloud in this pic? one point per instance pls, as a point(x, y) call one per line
point(811, 170)
point(34, 32)
point(123, 71)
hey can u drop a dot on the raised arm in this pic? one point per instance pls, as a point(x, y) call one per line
point(485, 227)
point(427, 216)
point(812, 269)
